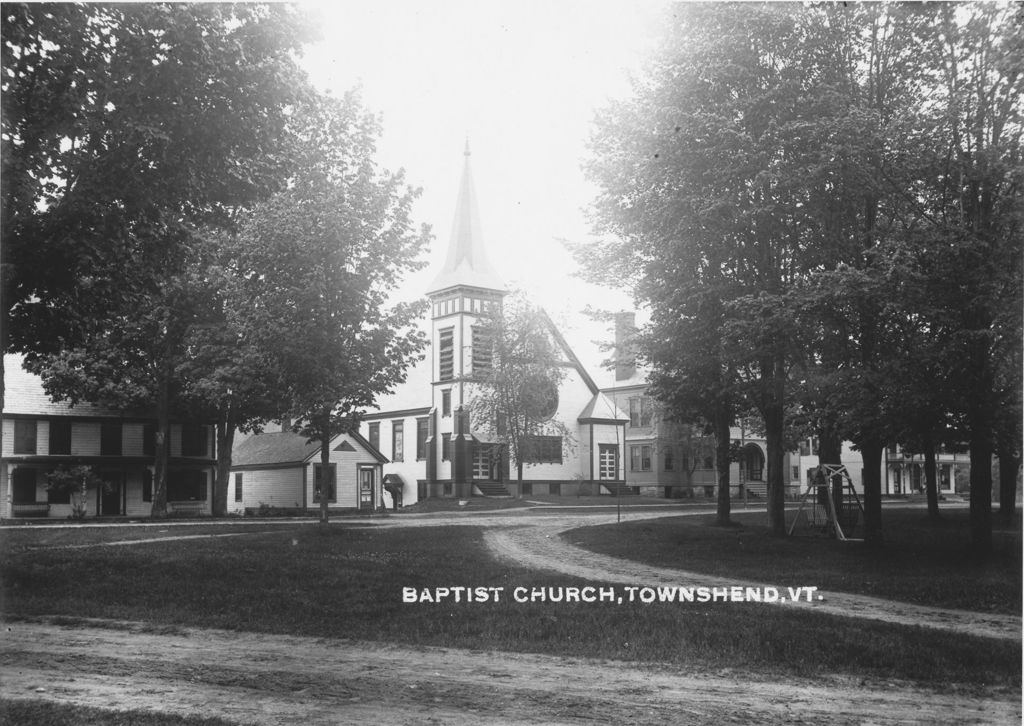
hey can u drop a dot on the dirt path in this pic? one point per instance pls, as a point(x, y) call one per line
point(541, 546)
point(261, 679)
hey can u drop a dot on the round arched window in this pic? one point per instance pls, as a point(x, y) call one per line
point(543, 397)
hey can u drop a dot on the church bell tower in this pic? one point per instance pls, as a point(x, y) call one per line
point(466, 288)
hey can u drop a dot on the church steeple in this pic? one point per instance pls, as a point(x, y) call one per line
point(467, 263)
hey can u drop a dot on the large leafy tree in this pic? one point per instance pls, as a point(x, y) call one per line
point(122, 125)
point(824, 201)
point(514, 396)
point(874, 73)
point(703, 178)
point(975, 195)
point(314, 268)
point(125, 129)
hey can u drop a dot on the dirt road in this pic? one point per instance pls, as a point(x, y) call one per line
point(260, 679)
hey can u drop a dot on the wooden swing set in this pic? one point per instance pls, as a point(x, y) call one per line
point(830, 506)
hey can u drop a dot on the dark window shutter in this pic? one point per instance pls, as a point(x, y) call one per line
point(110, 438)
point(60, 437)
point(24, 436)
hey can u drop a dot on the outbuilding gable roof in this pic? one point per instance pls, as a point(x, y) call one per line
point(287, 447)
point(282, 447)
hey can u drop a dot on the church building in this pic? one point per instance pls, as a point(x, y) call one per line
point(425, 429)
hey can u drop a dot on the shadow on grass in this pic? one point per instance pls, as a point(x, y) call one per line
point(921, 561)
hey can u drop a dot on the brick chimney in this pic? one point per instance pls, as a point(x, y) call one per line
point(625, 352)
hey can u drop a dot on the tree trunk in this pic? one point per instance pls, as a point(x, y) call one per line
point(325, 476)
point(980, 424)
point(931, 484)
point(162, 446)
point(722, 445)
point(773, 421)
point(1009, 465)
point(981, 492)
point(872, 452)
point(225, 441)
point(830, 451)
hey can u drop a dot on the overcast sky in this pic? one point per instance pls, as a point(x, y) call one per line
point(521, 79)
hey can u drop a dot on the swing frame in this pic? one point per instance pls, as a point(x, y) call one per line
point(824, 478)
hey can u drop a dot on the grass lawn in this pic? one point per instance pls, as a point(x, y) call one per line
point(923, 562)
point(346, 582)
point(28, 539)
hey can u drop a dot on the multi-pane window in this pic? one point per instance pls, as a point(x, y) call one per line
point(24, 436)
point(397, 441)
point(110, 438)
point(608, 461)
point(193, 441)
point(639, 412)
point(375, 435)
point(640, 458)
point(446, 402)
point(186, 485)
point(447, 307)
point(60, 437)
point(446, 354)
point(669, 459)
point(332, 494)
point(238, 486)
point(446, 447)
point(148, 440)
point(543, 450)
point(422, 427)
point(482, 350)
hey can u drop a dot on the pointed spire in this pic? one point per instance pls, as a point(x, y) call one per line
point(467, 262)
